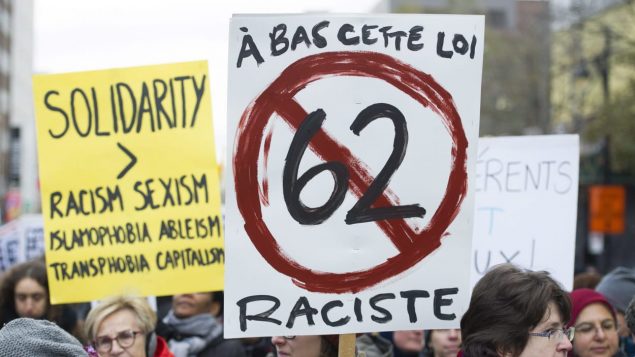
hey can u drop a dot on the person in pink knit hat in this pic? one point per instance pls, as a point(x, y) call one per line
point(595, 325)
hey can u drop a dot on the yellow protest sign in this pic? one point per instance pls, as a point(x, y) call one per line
point(129, 182)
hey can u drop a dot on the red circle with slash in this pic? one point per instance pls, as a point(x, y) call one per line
point(279, 98)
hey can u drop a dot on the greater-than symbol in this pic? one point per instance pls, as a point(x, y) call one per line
point(133, 161)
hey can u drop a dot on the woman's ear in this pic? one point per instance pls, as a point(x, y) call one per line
point(502, 353)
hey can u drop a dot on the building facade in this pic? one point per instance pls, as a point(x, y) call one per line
point(18, 163)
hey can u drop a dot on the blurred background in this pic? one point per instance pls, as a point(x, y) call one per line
point(550, 67)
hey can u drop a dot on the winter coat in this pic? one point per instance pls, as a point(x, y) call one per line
point(373, 345)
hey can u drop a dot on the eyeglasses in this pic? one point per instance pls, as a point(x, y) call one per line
point(556, 334)
point(588, 328)
point(125, 339)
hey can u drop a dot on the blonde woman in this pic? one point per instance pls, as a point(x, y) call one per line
point(124, 326)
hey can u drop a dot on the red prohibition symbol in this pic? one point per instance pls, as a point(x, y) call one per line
point(279, 98)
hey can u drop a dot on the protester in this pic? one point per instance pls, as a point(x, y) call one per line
point(514, 312)
point(257, 346)
point(366, 345)
point(24, 293)
point(587, 279)
point(193, 327)
point(306, 346)
point(630, 318)
point(442, 343)
point(124, 326)
point(618, 287)
point(595, 325)
point(373, 345)
point(25, 337)
point(407, 343)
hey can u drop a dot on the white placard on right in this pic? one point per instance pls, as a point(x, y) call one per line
point(526, 204)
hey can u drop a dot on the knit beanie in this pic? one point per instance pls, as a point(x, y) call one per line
point(37, 338)
point(581, 298)
point(619, 287)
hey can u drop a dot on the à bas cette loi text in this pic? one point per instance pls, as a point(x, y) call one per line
point(151, 194)
point(284, 38)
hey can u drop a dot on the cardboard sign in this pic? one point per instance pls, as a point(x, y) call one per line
point(348, 184)
point(130, 192)
point(526, 204)
point(607, 206)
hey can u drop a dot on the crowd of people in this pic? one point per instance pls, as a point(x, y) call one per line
point(512, 313)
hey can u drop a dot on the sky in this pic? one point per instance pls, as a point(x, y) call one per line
point(79, 35)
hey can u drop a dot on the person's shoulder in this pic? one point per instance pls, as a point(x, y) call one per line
point(67, 319)
point(162, 349)
point(6, 316)
point(619, 354)
point(374, 345)
point(223, 347)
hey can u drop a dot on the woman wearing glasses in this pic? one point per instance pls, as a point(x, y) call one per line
point(124, 326)
point(595, 325)
point(516, 313)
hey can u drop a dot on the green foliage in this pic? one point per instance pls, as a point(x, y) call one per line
point(616, 121)
point(515, 81)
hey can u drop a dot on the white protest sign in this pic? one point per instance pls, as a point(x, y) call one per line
point(9, 246)
point(21, 239)
point(526, 204)
point(347, 200)
point(32, 231)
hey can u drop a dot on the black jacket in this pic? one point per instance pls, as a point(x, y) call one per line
point(218, 346)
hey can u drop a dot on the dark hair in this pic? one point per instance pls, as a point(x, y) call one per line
point(36, 270)
point(219, 297)
point(327, 349)
point(507, 303)
point(428, 351)
point(587, 280)
point(629, 316)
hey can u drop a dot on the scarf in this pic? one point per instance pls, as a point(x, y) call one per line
point(199, 331)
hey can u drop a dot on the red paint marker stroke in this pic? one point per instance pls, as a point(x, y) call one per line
point(264, 192)
point(279, 98)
